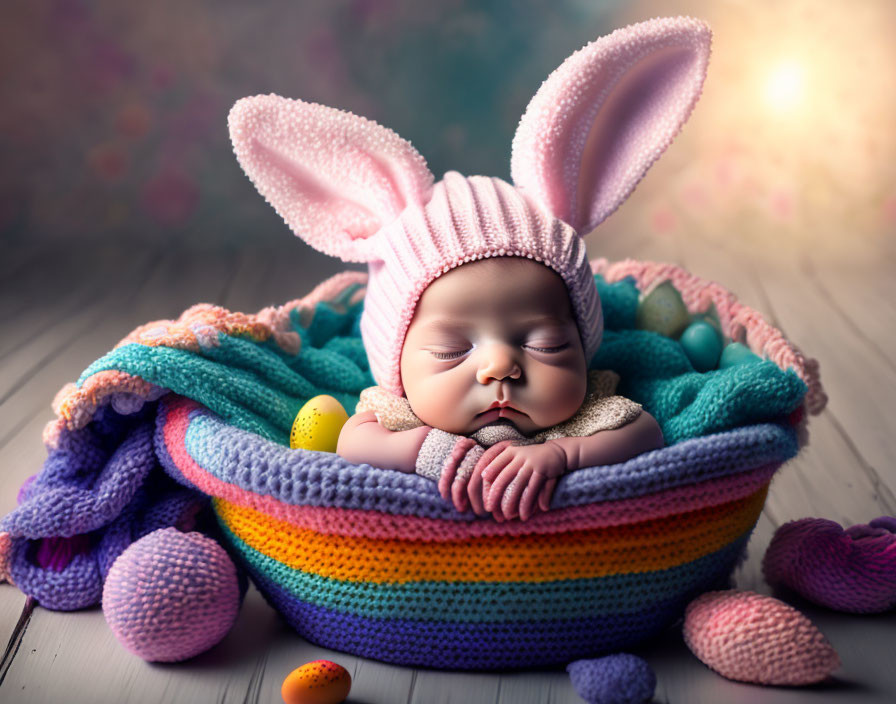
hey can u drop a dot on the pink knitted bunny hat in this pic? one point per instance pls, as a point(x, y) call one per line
point(358, 191)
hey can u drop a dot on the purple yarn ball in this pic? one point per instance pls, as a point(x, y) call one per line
point(171, 595)
point(614, 679)
point(852, 570)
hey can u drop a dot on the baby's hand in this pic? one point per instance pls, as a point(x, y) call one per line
point(517, 479)
point(477, 490)
point(457, 471)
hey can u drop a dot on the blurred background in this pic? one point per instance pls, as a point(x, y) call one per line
point(113, 114)
point(122, 202)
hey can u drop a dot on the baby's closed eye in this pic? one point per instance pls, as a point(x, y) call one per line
point(544, 348)
point(454, 354)
point(547, 348)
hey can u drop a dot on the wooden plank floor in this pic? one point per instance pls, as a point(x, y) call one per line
point(61, 310)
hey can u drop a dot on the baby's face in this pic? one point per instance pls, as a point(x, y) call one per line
point(494, 331)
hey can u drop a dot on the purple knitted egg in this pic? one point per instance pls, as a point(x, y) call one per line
point(850, 570)
point(171, 595)
point(614, 679)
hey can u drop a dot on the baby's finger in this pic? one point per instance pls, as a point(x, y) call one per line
point(509, 512)
point(493, 468)
point(476, 489)
point(474, 493)
point(510, 502)
point(547, 491)
point(446, 479)
point(497, 489)
point(530, 495)
point(490, 473)
point(492, 452)
point(459, 494)
point(452, 463)
point(499, 514)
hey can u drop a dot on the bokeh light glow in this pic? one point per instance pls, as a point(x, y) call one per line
point(792, 142)
point(784, 86)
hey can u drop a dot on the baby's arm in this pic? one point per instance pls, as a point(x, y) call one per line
point(364, 440)
point(611, 446)
point(443, 457)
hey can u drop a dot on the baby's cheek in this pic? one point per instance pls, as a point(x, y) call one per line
point(436, 400)
point(561, 393)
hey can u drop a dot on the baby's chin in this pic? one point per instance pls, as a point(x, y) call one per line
point(525, 426)
point(500, 421)
point(521, 422)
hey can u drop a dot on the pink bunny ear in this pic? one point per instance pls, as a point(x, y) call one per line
point(606, 114)
point(334, 177)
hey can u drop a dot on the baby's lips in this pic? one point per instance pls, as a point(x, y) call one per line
point(851, 570)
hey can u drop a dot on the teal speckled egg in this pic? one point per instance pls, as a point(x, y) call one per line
point(702, 345)
point(735, 354)
point(663, 311)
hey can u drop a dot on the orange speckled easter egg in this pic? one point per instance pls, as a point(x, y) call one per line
point(317, 682)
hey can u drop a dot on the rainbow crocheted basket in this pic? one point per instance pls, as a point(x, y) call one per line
point(374, 562)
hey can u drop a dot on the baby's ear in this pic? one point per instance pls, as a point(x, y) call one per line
point(606, 114)
point(334, 177)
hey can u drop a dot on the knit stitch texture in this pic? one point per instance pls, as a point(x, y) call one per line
point(755, 638)
point(354, 556)
point(851, 570)
point(614, 679)
point(171, 595)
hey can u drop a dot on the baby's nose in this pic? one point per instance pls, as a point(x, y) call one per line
point(498, 362)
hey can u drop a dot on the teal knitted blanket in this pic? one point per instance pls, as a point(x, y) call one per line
point(102, 486)
point(257, 386)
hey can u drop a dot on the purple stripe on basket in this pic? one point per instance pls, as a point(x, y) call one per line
point(474, 646)
point(303, 477)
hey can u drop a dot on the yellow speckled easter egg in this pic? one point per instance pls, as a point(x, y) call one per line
point(318, 682)
point(317, 425)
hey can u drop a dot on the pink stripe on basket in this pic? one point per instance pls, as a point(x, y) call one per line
point(381, 525)
point(739, 322)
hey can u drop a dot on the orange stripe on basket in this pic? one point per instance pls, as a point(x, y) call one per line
point(638, 547)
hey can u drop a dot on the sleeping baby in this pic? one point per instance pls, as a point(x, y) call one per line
point(481, 315)
point(493, 359)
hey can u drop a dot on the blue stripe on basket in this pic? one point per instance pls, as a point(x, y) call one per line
point(303, 477)
point(491, 601)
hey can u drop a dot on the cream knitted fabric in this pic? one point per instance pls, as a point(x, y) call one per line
point(601, 410)
point(442, 451)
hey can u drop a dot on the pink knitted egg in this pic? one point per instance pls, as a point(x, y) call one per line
point(171, 595)
point(754, 638)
